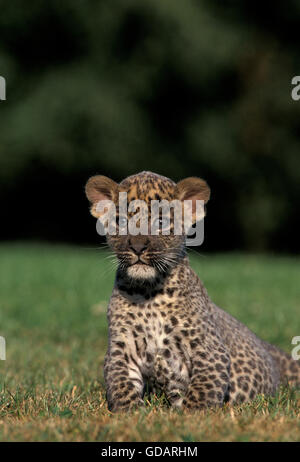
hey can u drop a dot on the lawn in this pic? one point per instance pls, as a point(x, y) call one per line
point(52, 314)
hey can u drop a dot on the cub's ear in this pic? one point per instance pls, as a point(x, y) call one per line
point(100, 188)
point(193, 189)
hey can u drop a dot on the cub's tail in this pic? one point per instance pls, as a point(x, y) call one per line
point(289, 368)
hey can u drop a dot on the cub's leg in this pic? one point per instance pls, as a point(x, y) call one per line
point(209, 382)
point(170, 380)
point(123, 378)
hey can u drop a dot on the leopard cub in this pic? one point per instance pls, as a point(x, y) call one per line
point(163, 327)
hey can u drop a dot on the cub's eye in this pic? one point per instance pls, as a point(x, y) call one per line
point(121, 222)
point(161, 223)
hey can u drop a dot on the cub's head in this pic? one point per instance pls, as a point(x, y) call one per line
point(143, 217)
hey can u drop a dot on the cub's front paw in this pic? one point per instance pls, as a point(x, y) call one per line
point(192, 405)
point(198, 401)
point(126, 405)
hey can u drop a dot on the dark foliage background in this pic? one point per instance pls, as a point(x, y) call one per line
point(180, 88)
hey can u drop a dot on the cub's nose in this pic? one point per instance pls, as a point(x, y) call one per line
point(138, 244)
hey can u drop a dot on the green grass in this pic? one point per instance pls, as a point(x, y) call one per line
point(52, 313)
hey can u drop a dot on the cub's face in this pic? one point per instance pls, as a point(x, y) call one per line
point(147, 241)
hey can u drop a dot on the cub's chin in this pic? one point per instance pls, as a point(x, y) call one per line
point(141, 271)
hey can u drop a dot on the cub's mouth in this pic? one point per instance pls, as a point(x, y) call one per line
point(141, 270)
point(140, 261)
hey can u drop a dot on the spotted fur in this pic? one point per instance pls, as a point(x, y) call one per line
point(164, 329)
